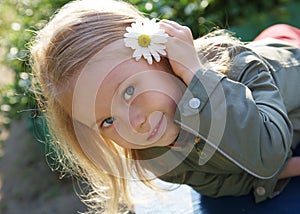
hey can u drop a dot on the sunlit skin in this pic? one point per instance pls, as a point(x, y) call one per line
point(136, 103)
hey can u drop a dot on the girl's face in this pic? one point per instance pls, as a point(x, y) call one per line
point(136, 103)
point(131, 103)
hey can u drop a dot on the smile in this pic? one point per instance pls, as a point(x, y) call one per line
point(156, 129)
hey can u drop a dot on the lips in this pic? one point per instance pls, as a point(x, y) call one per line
point(156, 129)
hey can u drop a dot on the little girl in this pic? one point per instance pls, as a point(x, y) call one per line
point(127, 97)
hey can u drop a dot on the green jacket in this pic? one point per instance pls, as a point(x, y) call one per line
point(248, 120)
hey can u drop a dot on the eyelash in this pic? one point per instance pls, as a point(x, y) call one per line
point(129, 91)
point(109, 122)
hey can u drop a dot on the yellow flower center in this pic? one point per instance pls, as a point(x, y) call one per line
point(144, 40)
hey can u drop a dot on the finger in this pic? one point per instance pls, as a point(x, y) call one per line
point(174, 29)
point(169, 29)
point(176, 25)
point(177, 50)
point(172, 23)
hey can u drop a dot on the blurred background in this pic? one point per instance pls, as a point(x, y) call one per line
point(27, 184)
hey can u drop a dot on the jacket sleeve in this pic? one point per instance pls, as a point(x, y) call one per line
point(244, 119)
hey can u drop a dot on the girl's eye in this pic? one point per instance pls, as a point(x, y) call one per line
point(108, 122)
point(128, 92)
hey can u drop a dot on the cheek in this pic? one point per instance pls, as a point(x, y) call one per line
point(169, 91)
point(150, 101)
point(120, 141)
point(113, 135)
point(166, 101)
point(161, 83)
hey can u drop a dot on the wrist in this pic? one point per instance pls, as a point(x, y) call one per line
point(187, 77)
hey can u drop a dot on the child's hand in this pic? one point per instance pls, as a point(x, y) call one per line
point(291, 169)
point(180, 50)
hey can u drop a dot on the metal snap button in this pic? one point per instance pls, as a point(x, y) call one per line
point(260, 191)
point(194, 103)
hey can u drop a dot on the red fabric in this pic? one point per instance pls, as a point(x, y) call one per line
point(283, 32)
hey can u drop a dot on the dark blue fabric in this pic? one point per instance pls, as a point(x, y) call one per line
point(288, 202)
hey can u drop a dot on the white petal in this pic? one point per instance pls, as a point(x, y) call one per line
point(153, 20)
point(161, 52)
point(129, 29)
point(158, 38)
point(128, 39)
point(161, 31)
point(149, 59)
point(132, 43)
point(147, 55)
point(158, 46)
point(139, 22)
point(154, 53)
point(133, 35)
point(138, 53)
point(146, 52)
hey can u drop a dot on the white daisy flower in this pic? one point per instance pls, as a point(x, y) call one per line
point(147, 39)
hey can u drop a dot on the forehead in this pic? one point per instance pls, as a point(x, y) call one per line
point(110, 85)
point(125, 71)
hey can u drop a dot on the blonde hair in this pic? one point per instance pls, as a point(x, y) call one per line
point(77, 32)
point(61, 49)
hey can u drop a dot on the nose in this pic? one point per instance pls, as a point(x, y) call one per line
point(138, 118)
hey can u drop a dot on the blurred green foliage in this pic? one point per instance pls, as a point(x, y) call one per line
point(246, 18)
point(19, 19)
